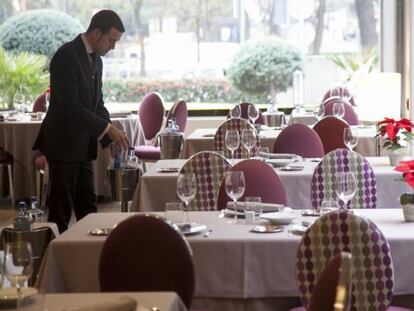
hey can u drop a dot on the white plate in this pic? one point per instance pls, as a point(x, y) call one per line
point(191, 228)
point(292, 168)
point(267, 229)
point(8, 295)
point(168, 169)
point(279, 218)
point(298, 229)
point(279, 162)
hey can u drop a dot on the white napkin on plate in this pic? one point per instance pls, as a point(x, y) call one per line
point(267, 207)
point(123, 303)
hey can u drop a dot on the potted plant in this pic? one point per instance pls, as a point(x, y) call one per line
point(397, 136)
point(407, 199)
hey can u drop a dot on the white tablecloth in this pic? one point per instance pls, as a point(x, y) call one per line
point(250, 271)
point(148, 196)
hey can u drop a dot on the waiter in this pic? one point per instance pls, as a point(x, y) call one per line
point(77, 119)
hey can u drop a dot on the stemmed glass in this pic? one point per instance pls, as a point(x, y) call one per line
point(339, 110)
point(249, 140)
point(252, 113)
point(235, 185)
point(319, 111)
point(186, 190)
point(18, 266)
point(47, 99)
point(350, 137)
point(235, 112)
point(232, 140)
point(335, 92)
point(345, 187)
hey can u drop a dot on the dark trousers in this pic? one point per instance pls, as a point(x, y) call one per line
point(71, 187)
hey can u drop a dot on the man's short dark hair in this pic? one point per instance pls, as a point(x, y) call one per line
point(104, 20)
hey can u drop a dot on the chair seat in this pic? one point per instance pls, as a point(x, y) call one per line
point(40, 162)
point(148, 152)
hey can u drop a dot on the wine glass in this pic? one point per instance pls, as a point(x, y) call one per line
point(335, 92)
point(351, 137)
point(235, 112)
point(235, 185)
point(252, 113)
point(232, 140)
point(249, 140)
point(47, 99)
point(319, 111)
point(339, 109)
point(18, 266)
point(186, 190)
point(345, 187)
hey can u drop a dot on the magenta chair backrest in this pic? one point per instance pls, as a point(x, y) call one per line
point(180, 113)
point(244, 115)
point(372, 267)
point(350, 115)
point(39, 104)
point(331, 133)
point(343, 92)
point(136, 257)
point(299, 139)
point(260, 180)
point(151, 114)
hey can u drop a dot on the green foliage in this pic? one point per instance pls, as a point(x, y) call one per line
point(191, 90)
point(407, 198)
point(38, 31)
point(264, 66)
point(22, 75)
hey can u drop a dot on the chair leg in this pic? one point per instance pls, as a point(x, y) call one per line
point(45, 188)
point(39, 177)
point(11, 187)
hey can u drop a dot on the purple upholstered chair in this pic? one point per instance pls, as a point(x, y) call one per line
point(260, 180)
point(331, 133)
point(209, 169)
point(39, 104)
point(343, 93)
point(350, 115)
point(219, 142)
point(344, 160)
point(299, 139)
point(136, 256)
point(244, 115)
point(178, 112)
point(151, 116)
point(372, 267)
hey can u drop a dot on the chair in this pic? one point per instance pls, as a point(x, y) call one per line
point(299, 139)
point(343, 93)
point(344, 160)
point(39, 104)
point(209, 169)
point(151, 115)
point(260, 180)
point(38, 238)
point(372, 267)
point(244, 114)
point(350, 115)
point(6, 164)
point(42, 181)
point(179, 112)
point(219, 142)
point(136, 256)
point(331, 133)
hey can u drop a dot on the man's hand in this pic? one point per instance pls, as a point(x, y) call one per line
point(119, 137)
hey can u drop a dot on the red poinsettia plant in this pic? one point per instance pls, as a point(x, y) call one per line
point(407, 168)
point(397, 133)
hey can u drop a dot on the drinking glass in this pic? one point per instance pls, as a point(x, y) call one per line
point(186, 190)
point(345, 186)
point(174, 212)
point(328, 205)
point(319, 111)
point(335, 92)
point(18, 266)
point(339, 110)
point(249, 140)
point(253, 203)
point(235, 112)
point(235, 185)
point(47, 99)
point(252, 113)
point(351, 137)
point(232, 141)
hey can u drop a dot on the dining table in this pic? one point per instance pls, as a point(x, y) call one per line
point(18, 134)
point(202, 139)
point(297, 184)
point(235, 267)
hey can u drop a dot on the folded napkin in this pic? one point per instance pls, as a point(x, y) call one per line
point(282, 155)
point(123, 303)
point(267, 207)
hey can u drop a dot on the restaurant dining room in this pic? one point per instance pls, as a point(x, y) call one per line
point(173, 155)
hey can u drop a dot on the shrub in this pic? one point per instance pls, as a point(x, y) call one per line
point(264, 65)
point(38, 31)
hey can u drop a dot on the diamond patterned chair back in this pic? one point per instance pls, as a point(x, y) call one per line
point(344, 160)
point(239, 125)
point(209, 169)
point(372, 267)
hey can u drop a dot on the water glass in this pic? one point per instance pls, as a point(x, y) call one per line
point(319, 111)
point(249, 139)
point(234, 185)
point(345, 187)
point(232, 140)
point(328, 205)
point(339, 109)
point(253, 204)
point(186, 190)
point(174, 212)
point(235, 112)
point(335, 92)
point(252, 113)
point(351, 137)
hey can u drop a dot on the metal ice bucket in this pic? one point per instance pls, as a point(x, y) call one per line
point(171, 145)
point(123, 182)
point(276, 119)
